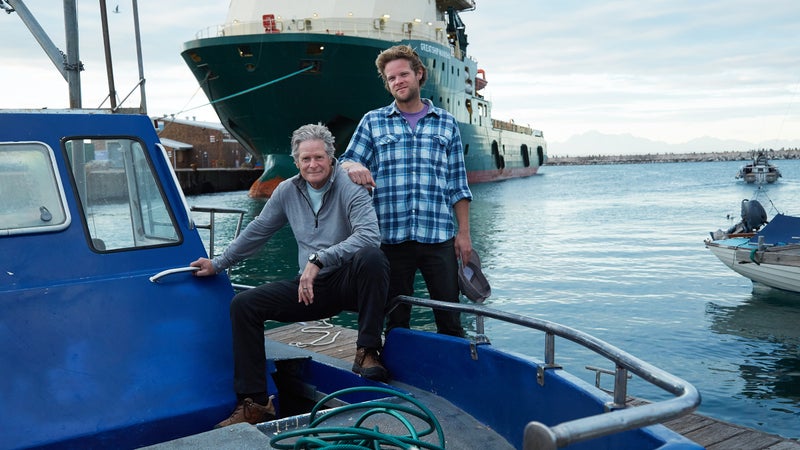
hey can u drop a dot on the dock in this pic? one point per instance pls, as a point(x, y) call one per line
point(713, 434)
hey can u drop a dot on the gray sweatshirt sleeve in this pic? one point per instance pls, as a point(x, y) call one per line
point(255, 235)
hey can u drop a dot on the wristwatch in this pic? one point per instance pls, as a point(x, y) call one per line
point(314, 259)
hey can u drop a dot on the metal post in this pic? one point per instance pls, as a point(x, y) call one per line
point(73, 61)
point(143, 99)
point(69, 65)
point(620, 387)
point(549, 349)
point(112, 92)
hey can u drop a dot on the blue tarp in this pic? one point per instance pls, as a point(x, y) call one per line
point(782, 229)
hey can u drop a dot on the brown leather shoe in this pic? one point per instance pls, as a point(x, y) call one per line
point(368, 364)
point(251, 412)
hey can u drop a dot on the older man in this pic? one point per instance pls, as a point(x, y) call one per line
point(342, 268)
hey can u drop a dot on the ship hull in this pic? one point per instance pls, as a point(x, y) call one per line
point(264, 86)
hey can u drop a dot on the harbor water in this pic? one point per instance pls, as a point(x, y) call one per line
point(617, 251)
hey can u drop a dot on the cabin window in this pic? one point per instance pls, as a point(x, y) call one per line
point(122, 204)
point(31, 194)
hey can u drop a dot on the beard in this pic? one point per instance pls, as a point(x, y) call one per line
point(411, 93)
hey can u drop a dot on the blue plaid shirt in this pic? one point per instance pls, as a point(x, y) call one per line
point(419, 174)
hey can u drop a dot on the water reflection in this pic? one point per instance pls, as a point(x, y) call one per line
point(770, 370)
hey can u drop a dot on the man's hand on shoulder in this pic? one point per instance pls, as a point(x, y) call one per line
point(359, 174)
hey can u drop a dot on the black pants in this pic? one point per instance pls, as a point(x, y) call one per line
point(439, 268)
point(361, 285)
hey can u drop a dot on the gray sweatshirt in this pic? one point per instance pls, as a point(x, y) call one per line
point(346, 222)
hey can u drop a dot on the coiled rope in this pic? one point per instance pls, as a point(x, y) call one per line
point(357, 437)
point(320, 328)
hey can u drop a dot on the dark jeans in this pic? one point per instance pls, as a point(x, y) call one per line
point(361, 285)
point(439, 268)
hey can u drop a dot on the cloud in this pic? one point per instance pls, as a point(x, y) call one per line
point(666, 70)
point(672, 70)
point(165, 26)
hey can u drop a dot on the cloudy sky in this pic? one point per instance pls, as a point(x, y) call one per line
point(664, 70)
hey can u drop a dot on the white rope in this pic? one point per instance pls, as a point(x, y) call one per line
point(319, 328)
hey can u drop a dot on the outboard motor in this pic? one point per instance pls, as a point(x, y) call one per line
point(753, 215)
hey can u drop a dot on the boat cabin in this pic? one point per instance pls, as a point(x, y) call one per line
point(88, 213)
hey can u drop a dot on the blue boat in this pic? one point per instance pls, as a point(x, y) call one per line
point(107, 340)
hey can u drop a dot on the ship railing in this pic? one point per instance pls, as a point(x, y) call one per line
point(618, 417)
point(511, 126)
point(375, 28)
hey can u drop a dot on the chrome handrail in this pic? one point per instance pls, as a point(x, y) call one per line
point(211, 226)
point(618, 417)
point(541, 437)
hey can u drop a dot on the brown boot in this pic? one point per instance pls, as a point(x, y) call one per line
point(251, 412)
point(368, 364)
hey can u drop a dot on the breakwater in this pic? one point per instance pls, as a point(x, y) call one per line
point(670, 157)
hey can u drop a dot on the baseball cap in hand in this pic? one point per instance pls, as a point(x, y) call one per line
point(472, 282)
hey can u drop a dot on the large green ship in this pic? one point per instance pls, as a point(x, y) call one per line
point(279, 64)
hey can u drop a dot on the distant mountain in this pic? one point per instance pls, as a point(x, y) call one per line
point(596, 143)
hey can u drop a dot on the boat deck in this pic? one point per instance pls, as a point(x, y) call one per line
point(713, 434)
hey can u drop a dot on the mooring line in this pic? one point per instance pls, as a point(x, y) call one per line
point(305, 69)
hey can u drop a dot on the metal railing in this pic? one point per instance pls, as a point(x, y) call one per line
point(618, 418)
point(375, 28)
point(211, 225)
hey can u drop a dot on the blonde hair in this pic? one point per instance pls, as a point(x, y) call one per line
point(400, 52)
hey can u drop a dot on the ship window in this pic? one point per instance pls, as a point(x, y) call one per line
point(466, 149)
point(245, 52)
point(31, 194)
point(122, 204)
